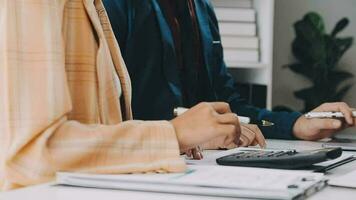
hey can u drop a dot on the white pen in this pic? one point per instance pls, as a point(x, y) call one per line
point(244, 120)
point(311, 115)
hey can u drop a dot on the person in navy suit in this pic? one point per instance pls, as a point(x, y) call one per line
point(174, 56)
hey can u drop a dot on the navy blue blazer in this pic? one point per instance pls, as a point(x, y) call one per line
point(148, 49)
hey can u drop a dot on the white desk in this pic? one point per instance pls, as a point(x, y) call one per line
point(49, 191)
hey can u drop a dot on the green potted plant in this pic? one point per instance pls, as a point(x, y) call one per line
point(317, 56)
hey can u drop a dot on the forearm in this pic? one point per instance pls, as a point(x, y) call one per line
point(133, 146)
point(128, 147)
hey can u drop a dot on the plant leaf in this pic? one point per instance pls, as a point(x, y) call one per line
point(310, 27)
point(316, 21)
point(337, 77)
point(302, 69)
point(309, 44)
point(342, 92)
point(341, 25)
point(344, 44)
point(312, 97)
point(309, 52)
point(305, 94)
point(318, 54)
point(336, 48)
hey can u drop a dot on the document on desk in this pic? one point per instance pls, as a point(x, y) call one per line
point(347, 180)
point(220, 181)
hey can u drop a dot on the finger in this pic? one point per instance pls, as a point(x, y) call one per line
point(347, 112)
point(196, 154)
point(221, 107)
point(254, 143)
point(188, 153)
point(251, 136)
point(327, 107)
point(236, 141)
point(338, 107)
point(325, 124)
point(259, 138)
point(224, 133)
point(244, 141)
point(248, 134)
point(231, 127)
point(201, 155)
point(228, 118)
point(228, 131)
point(227, 141)
point(232, 119)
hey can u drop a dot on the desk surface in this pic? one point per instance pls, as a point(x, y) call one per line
point(50, 191)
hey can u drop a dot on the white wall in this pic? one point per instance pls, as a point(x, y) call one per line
point(289, 11)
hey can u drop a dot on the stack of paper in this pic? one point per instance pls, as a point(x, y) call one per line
point(209, 181)
point(238, 29)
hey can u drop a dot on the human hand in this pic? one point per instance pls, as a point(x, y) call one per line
point(315, 129)
point(251, 135)
point(204, 122)
point(195, 153)
point(218, 143)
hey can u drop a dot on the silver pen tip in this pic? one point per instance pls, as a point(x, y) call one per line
point(175, 112)
point(266, 123)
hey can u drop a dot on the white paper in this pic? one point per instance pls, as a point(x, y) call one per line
point(347, 180)
point(206, 180)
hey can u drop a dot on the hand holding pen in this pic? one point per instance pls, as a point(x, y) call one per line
point(205, 122)
point(250, 134)
point(243, 120)
point(324, 121)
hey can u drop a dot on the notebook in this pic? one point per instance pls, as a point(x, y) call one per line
point(221, 181)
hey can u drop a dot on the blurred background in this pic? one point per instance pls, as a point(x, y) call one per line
point(287, 12)
point(285, 82)
point(290, 54)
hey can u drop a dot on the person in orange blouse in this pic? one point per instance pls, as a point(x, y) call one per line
point(65, 100)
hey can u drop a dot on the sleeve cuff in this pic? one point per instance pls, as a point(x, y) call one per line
point(284, 123)
point(169, 156)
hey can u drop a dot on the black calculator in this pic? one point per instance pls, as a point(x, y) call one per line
point(290, 159)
